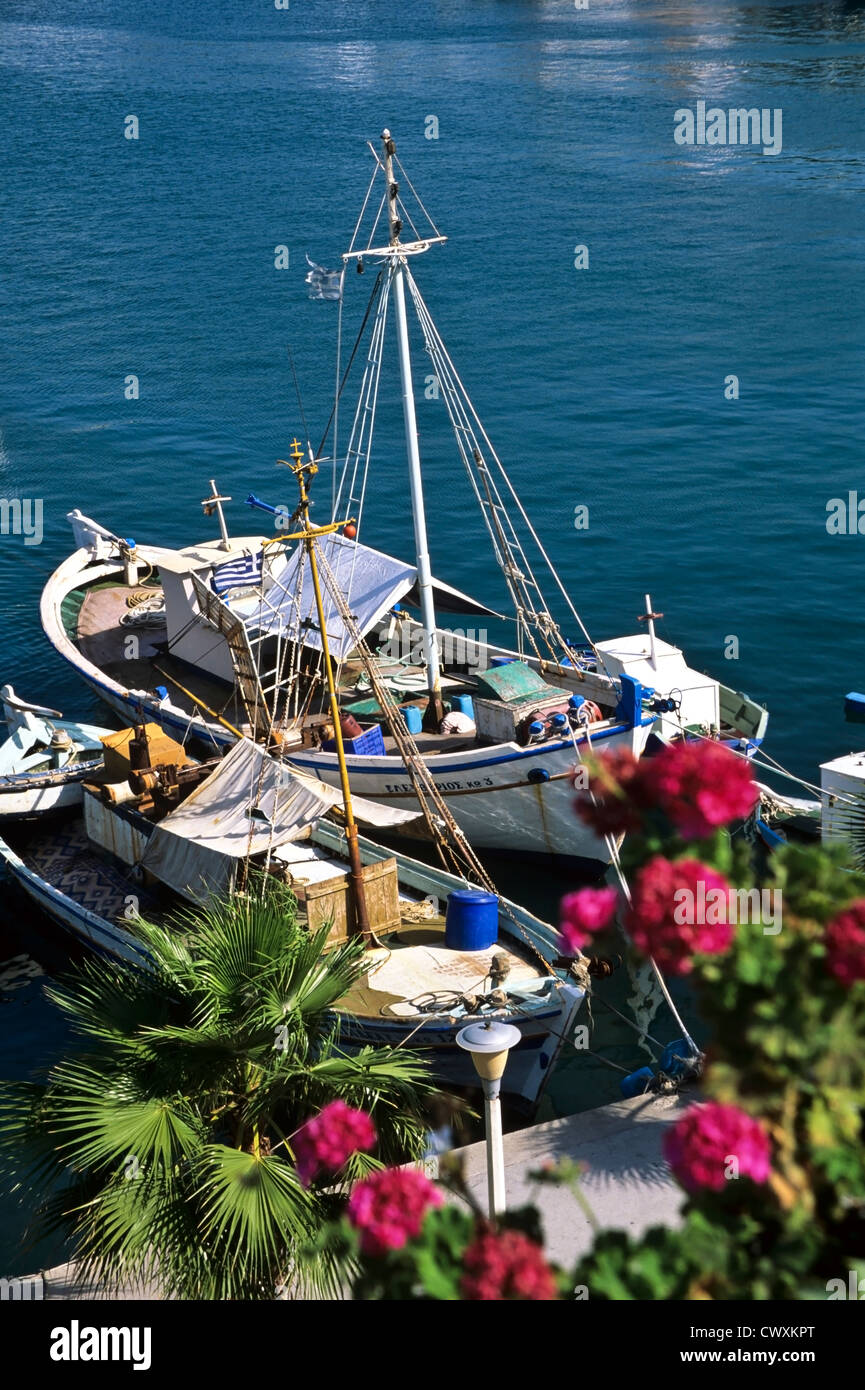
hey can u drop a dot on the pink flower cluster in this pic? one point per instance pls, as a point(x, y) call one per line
point(699, 786)
point(582, 913)
point(328, 1140)
point(713, 1143)
point(845, 944)
point(657, 923)
point(506, 1265)
point(388, 1208)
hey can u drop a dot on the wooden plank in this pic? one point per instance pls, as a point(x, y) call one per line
point(381, 890)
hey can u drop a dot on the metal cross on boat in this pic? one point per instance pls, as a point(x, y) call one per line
point(649, 617)
point(212, 504)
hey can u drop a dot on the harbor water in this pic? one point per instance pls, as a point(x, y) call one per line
point(667, 335)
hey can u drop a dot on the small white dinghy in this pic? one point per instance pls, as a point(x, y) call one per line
point(44, 760)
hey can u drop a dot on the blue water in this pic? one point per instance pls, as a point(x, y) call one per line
point(602, 386)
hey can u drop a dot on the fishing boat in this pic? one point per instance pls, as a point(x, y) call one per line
point(221, 638)
point(44, 759)
point(440, 947)
point(228, 819)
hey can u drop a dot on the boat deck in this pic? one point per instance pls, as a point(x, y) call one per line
point(413, 962)
point(67, 861)
point(102, 640)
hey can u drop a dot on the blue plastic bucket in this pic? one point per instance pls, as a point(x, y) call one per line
point(472, 920)
point(463, 703)
point(413, 718)
point(637, 1084)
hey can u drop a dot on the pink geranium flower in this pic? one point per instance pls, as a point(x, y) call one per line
point(679, 908)
point(327, 1141)
point(388, 1208)
point(615, 799)
point(582, 913)
point(845, 944)
point(506, 1265)
point(713, 1143)
point(700, 786)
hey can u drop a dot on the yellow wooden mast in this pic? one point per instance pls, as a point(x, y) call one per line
point(309, 535)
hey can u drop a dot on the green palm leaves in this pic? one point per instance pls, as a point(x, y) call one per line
point(162, 1145)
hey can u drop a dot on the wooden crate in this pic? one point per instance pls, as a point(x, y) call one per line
point(330, 901)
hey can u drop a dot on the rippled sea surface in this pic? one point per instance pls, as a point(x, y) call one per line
point(603, 386)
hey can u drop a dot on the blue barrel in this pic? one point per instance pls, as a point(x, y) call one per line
point(413, 718)
point(464, 704)
point(472, 920)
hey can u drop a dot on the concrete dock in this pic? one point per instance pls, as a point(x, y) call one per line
point(627, 1184)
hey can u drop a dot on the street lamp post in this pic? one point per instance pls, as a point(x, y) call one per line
point(489, 1044)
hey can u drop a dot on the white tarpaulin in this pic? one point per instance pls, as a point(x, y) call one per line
point(194, 849)
point(371, 582)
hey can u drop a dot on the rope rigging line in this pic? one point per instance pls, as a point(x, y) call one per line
point(347, 372)
point(615, 859)
point(455, 852)
point(468, 423)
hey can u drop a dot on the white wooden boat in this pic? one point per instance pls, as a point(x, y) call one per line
point(44, 759)
point(98, 872)
point(228, 626)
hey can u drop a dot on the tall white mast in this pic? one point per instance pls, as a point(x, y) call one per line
point(434, 710)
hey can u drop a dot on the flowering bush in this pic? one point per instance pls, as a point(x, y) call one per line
point(771, 1156)
point(773, 1161)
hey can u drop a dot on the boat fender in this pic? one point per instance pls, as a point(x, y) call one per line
point(537, 774)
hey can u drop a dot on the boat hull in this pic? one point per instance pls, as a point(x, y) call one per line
point(28, 802)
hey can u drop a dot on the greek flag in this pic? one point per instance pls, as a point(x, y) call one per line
point(242, 573)
point(323, 284)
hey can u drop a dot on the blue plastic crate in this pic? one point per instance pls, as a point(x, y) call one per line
point(370, 743)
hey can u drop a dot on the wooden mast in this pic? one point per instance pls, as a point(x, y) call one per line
point(308, 535)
